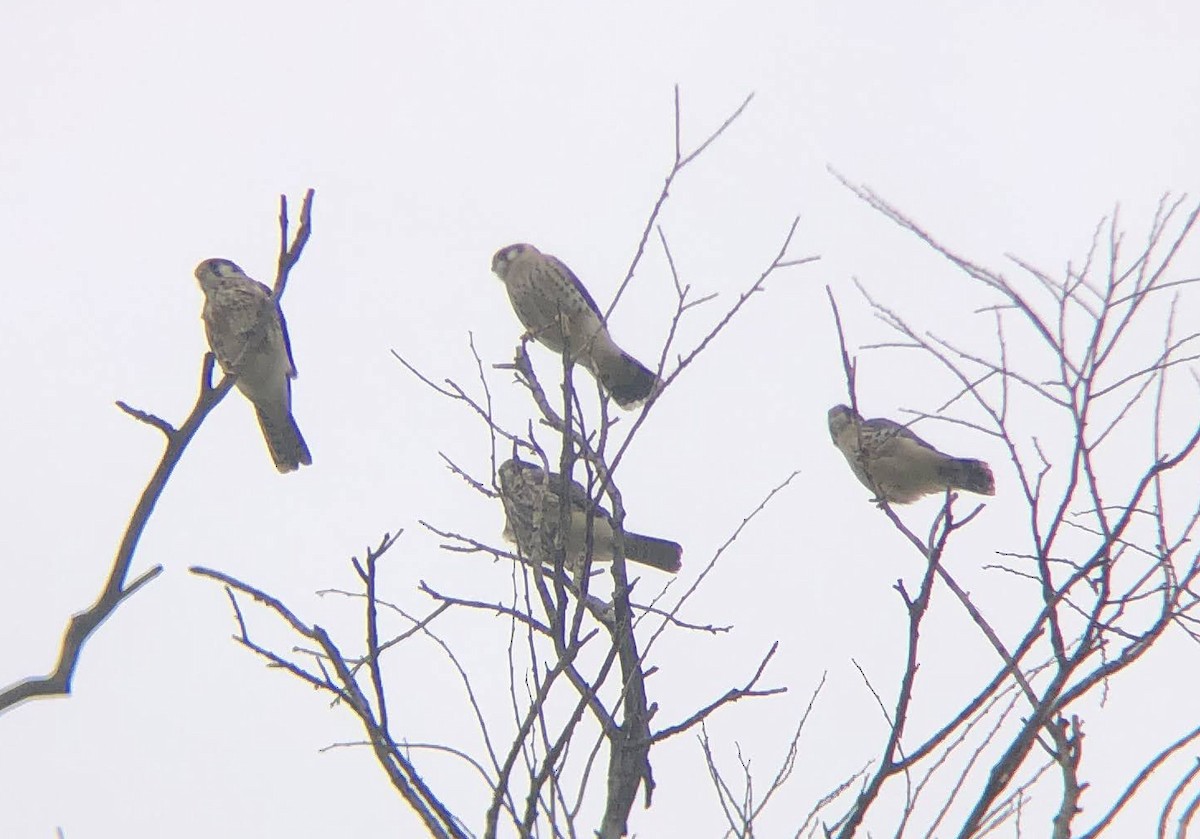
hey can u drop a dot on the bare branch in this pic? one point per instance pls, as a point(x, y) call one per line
point(116, 591)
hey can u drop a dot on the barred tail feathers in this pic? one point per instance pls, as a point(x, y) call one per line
point(627, 380)
point(972, 476)
point(657, 553)
point(284, 440)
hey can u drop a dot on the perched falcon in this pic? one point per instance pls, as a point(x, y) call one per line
point(248, 335)
point(558, 311)
point(524, 486)
point(898, 465)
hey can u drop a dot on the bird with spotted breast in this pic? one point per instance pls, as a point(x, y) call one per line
point(559, 313)
point(248, 335)
point(531, 503)
point(897, 465)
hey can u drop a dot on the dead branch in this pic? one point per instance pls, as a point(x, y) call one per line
point(342, 684)
point(116, 590)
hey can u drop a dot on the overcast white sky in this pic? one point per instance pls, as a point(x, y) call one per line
point(139, 138)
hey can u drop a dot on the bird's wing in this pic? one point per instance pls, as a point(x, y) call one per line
point(574, 281)
point(579, 497)
point(287, 342)
point(881, 430)
point(231, 319)
point(270, 302)
point(517, 473)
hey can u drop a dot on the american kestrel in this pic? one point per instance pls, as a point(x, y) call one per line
point(558, 311)
point(898, 465)
point(525, 486)
point(248, 335)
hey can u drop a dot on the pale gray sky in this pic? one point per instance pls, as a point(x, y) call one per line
point(138, 138)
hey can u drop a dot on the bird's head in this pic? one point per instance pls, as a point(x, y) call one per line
point(513, 471)
point(217, 269)
point(506, 255)
point(841, 417)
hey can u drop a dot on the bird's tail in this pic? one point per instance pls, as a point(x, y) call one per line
point(971, 475)
point(284, 440)
point(658, 553)
point(625, 378)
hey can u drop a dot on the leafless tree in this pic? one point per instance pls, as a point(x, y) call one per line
point(577, 750)
point(1079, 381)
point(117, 587)
point(1088, 385)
